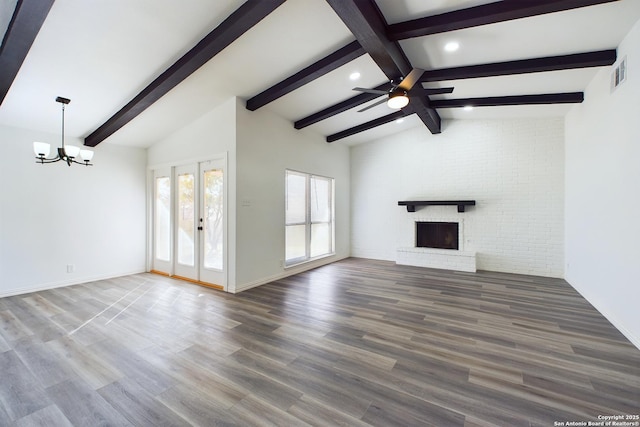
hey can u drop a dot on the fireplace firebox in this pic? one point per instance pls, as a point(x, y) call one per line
point(438, 235)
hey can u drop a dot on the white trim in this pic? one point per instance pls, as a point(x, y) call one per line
point(619, 326)
point(291, 271)
point(64, 283)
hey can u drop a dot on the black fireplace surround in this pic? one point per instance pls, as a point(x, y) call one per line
point(437, 235)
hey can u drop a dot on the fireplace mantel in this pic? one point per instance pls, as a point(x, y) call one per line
point(461, 204)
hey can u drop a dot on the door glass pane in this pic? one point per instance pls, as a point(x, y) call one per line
point(295, 209)
point(213, 219)
point(186, 220)
point(320, 239)
point(319, 193)
point(295, 236)
point(161, 219)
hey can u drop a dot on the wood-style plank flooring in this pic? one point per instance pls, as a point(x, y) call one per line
point(358, 342)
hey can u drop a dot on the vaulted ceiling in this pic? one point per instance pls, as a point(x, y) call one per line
point(136, 71)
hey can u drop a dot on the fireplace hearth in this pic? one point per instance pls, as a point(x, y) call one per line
point(437, 235)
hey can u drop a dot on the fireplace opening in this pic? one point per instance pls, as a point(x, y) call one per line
point(438, 235)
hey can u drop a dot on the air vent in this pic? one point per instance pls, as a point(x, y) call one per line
point(619, 74)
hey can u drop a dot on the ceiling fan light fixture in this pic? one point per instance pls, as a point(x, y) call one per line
point(398, 99)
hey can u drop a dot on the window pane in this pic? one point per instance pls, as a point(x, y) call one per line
point(295, 208)
point(295, 237)
point(320, 239)
point(186, 220)
point(161, 221)
point(214, 217)
point(320, 191)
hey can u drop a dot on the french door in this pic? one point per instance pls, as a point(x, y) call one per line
point(189, 222)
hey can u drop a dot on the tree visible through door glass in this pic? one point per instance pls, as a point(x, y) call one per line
point(186, 219)
point(213, 219)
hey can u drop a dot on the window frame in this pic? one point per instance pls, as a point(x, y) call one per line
point(308, 223)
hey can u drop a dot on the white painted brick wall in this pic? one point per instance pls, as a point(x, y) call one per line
point(514, 169)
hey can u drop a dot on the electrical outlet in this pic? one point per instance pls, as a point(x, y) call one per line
point(71, 268)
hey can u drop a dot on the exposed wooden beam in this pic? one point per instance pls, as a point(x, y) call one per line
point(483, 15)
point(340, 107)
point(494, 101)
point(366, 23)
point(327, 64)
point(240, 21)
point(535, 65)
point(27, 19)
point(366, 126)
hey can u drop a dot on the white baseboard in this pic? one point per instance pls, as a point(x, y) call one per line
point(63, 283)
point(289, 272)
point(635, 340)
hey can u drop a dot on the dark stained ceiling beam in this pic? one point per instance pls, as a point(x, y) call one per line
point(239, 22)
point(327, 64)
point(536, 65)
point(547, 98)
point(495, 101)
point(340, 107)
point(482, 15)
point(366, 126)
point(27, 19)
point(366, 23)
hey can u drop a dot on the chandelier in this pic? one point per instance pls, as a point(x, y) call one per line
point(66, 153)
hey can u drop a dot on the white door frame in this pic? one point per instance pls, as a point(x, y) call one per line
point(219, 161)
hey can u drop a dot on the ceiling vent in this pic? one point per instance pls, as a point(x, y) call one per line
point(619, 74)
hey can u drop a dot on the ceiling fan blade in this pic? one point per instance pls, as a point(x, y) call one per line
point(379, 92)
point(437, 90)
point(382, 101)
point(411, 79)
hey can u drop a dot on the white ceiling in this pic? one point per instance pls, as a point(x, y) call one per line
point(102, 53)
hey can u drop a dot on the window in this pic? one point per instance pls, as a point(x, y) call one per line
point(162, 227)
point(308, 217)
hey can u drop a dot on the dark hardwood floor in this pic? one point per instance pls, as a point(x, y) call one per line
point(358, 342)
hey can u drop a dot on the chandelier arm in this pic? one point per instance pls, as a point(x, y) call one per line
point(85, 163)
point(43, 160)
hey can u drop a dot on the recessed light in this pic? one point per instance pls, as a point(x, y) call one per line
point(451, 46)
point(468, 108)
point(354, 76)
point(399, 120)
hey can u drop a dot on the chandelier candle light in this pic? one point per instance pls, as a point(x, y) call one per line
point(67, 153)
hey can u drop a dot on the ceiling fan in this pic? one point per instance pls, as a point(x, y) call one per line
point(398, 95)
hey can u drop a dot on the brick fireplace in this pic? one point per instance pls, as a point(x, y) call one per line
point(435, 242)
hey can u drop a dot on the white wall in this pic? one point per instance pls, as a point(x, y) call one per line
point(266, 146)
point(602, 189)
point(55, 215)
point(512, 168)
point(208, 137)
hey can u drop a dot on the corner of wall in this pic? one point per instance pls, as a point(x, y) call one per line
point(602, 152)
